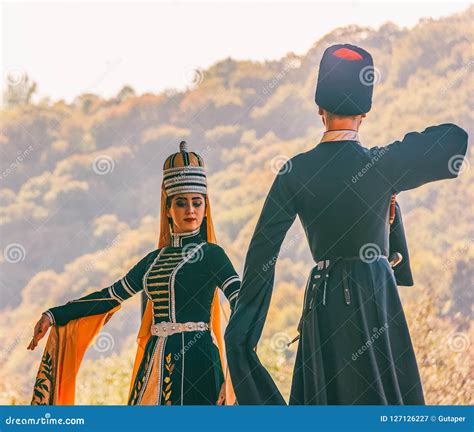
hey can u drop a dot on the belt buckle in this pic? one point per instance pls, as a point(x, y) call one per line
point(323, 264)
point(164, 328)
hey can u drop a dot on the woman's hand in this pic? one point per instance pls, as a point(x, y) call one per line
point(40, 330)
point(221, 398)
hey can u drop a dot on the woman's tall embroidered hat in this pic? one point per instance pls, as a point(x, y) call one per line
point(184, 172)
point(345, 80)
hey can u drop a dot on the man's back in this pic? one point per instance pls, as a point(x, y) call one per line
point(341, 190)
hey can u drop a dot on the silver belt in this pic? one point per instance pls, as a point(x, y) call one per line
point(168, 328)
point(394, 259)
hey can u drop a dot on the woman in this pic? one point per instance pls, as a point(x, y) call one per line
point(177, 361)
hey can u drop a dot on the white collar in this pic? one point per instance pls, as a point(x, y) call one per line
point(177, 238)
point(340, 135)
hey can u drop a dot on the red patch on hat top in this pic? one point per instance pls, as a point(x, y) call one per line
point(347, 54)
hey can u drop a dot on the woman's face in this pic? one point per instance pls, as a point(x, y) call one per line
point(187, 211)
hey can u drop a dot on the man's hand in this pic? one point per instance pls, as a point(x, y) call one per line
point(395, 259)
point(40, 330)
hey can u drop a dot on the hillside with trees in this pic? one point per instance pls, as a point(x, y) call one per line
point(81, 181)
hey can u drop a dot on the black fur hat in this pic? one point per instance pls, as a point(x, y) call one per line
point(346, 80)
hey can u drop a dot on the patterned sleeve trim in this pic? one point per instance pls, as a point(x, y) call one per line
point(127, 287)
point(233, 296)
point(50, 316)
point(114, 294)
point(229, 281)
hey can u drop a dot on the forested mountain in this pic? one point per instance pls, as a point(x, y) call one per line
point(80, 195)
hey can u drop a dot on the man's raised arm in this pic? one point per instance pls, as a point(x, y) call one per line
point(437, 153)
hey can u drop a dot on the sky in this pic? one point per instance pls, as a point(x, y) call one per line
point(72, 48)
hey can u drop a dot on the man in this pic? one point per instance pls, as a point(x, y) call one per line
point(354, 345)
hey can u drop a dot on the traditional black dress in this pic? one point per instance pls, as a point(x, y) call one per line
point(182, 368)
point(354, 345)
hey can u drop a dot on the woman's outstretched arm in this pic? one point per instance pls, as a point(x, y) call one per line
point(97, 302)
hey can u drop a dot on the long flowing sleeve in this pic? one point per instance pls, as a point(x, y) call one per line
point(252, 382)
point(398, 243)
point(101, 301)
point(435, 154)
point(224, 274)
